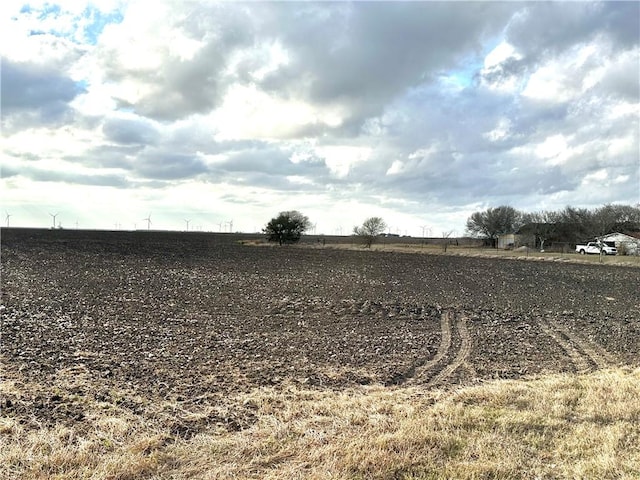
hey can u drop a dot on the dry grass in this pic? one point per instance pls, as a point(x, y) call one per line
point(560, 426)
point(522, 254)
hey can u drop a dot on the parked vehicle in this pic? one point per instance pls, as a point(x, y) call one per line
point(596, 248)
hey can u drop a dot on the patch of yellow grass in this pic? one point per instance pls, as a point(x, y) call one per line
point(560, 426)
point(531, 254)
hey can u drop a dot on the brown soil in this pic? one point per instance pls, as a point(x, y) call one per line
point(196, 318)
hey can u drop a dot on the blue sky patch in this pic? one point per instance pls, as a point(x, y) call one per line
point(49, 10)
point(98, 22)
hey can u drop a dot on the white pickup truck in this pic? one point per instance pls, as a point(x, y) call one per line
point(597, 248)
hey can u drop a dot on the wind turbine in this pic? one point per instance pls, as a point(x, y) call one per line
point(148, 220)
point(187, 222)
point(7, 217)
point(230, 223)
point(54, 218)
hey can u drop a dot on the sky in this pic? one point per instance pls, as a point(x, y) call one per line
point(216, 116)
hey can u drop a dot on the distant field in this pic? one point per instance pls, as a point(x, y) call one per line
point(466, 247)
point(235, 360)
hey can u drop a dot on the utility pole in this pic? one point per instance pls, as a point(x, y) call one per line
point(425, 229)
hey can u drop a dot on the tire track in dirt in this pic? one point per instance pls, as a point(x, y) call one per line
point(443, 348)
point(584, 354)
point(598, 355)
point(437, 368)
point(464, 351)
point(579, 360)
point(421, 366)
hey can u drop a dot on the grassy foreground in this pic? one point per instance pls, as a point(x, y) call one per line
point(559, 426)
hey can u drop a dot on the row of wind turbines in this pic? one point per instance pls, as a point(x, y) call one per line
point(222, 226)
point(8, 216)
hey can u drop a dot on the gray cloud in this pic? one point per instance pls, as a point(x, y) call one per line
point(548, 28)
point(362, 55)
point(107, 156)
point(505, 71)
point(354, 55)
point(34, 93)
point(621, 22)
point(159, 165)
point(270, 160)
point(41, 175)
point(182, 87)
point(620, 80)
point(130, 131)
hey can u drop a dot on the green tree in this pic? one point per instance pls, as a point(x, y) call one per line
point(287, 227)
point(494, 222)
point(370, 230)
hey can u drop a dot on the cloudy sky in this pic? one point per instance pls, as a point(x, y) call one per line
point(419, 112)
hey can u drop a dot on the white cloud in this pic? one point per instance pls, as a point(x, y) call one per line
point(247, 112)
point(340, 159)
point(551, 82)
point(554, 149)
point(596, 177)
point(500, 132)
point(622, 145)
point(624, 109)
point(621, 179)
point(50, 143)
point(503, 51)
point(396, 167)
point(576, 71)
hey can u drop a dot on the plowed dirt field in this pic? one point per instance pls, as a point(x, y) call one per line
point(195, 317)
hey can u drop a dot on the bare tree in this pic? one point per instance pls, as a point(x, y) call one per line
point(542, 225)
point(615, 218)
point(370, 230)
point(445, 239)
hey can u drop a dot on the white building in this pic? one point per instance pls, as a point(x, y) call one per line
point(625, 244)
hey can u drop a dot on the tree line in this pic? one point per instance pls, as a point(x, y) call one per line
point(569, 224)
